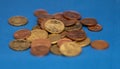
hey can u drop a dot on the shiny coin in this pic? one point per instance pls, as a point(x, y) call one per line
point(54, 26)
point(19, 44)
point(99, 44)
point(55, 50)
point(17, 20)
point(22, 34)
point(95, 28)
point(54, 38)
point(70, 49)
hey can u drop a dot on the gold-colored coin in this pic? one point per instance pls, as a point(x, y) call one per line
point(84, 42)
point(54, 26)
point(54, 38)
point(38, 34)
point(55, 50)
point(36, 27)
point(18, 20)
point(19, 44)
point(70, 49)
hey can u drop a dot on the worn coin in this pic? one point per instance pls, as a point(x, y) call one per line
point(99, 44)
point(18, 20)
point(70, 49)
point(54, 26)
point(39, 12)
point(95, 28)
point(55, 50)
point(69, 22)
point(54, 38)
point(63, 34)
point(22, 34)
point(19, 44)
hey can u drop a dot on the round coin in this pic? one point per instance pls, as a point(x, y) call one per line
point(99, 44)
point(95, 28)
point(54, 38)
point(40, 12)
point(18, 20)
point(22, 34)
point(54, 26)
point(70, 49)
point(55, 50)
point(69, 22)
point(36, 27)
point(19, 44)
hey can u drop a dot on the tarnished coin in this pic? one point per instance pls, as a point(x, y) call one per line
point(54, 26)
point(39, 50)
point(36, 27)
point(58, 16)
point(19, 44)
point(89, 21)
point(54, 38)
point(71, 15)
point(77, 35)
point(38, 34)
point(22, 34)
point(69, 22)
point(84, 42)
point(70, 49)
point(39, 12)
point(99, 44)
point(39, 42)
point(95, 28)
point(63, 34)
point(18, 20)
point(55, 50)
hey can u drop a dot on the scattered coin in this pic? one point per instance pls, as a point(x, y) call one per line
point(19, 44)
point(99, 44)
point(36, 27)
point(54, 38)
point(95, 28)
point(39, 12)
point(63, 34)
point(18, 20)
point(55, 50)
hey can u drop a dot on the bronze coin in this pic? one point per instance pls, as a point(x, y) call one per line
point(58, 16)
point(39, 42)
point(95, 28)
point(54, 38)
point(22, 34)
point(76, 35)
point(99, 44)
point(71, 15)
point(63, 34)
point(55, 50)
point(89, 21)
point(36, 27)
point(69, 22)
point(40, 12)
point(39, 50)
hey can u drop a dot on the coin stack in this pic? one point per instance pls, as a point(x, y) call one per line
point(60, 33)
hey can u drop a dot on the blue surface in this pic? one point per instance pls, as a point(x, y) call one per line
point(105, 11)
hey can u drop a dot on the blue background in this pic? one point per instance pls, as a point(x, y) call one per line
point(105, 11)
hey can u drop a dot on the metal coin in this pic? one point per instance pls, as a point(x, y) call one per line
point(55, 50)
point(39, 12)
point(36, 27)
point(95, 28)
point(54, 38)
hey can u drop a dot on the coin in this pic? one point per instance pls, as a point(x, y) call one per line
point(99, 44)
point(63, 34)
point(54, 38)
point(69, 22)
point(37, 34)
point(36, 27)
point(70, 49)
point(39, 50)
point(18, 20)
point(71, 15)
point(95, 28)
point(22, 34)
point(19, 44)
point(40, 12)
point(76, 35)
point(84, 42)
point(89, 21)
point(43, 42)
point(58, 16)
point(54, 26)
point(55, 50)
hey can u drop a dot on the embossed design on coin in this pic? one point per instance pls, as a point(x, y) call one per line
point(55, 50)
point(95, 28)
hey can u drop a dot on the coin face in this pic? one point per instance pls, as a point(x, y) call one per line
point(54, 26)
point(84, 42)
point(58, 16)
point(95, 28)
point(39, 50)
point(55, 50)
point(69, 22)
point(39, 12)
point(63, 34)
point(18, 20)
point(19, 44)
point(38, 34)
point(36, 27)
point(77, 35)
point(71, 15)
point(54, 38)
point(22, 34)
point(70, 49)
point(89, 21)
point(99, 44)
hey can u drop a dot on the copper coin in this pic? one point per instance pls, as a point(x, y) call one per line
point(22, 34)
point(64, 40)
point(40, 12)
point(63, 34)
point(95, 28)
point(55, 50)
point(69, 22)
point(99, 44)
point(54, 38)
point(36, 27)
point(58, 16)
point(89, 21)
point(76, 35)
point(39, 50)
point(39, 42)
point(71, 15)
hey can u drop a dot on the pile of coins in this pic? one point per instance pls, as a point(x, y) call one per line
point(60, 33)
